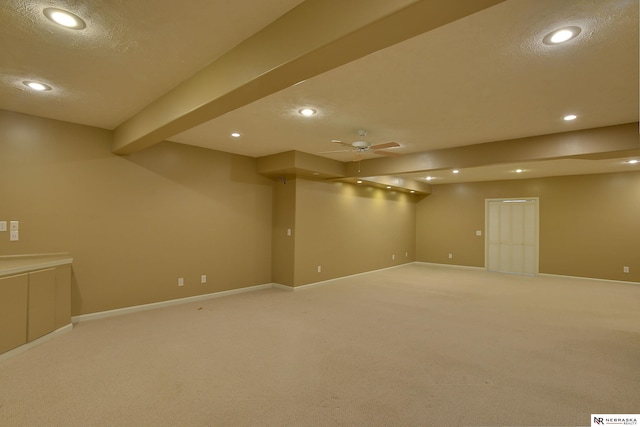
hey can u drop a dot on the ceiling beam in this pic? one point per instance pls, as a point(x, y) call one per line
point(313, 38)
point(580, 143)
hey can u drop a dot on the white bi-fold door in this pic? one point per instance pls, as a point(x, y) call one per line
point(511, 244)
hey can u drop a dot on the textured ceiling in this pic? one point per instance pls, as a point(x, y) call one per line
point(485, 77)
point(131, 52)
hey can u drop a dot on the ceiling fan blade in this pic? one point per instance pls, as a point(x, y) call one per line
point(341, 143)
point(334, 151)
point(385, 145)
point(387, 153)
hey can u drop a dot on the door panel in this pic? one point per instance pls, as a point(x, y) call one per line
point(512, 235)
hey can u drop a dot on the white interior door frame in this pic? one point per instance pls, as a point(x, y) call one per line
point(512, 235)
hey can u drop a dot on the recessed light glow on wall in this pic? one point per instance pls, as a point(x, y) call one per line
point(429, 178)
point(388, 187)
point(235, 135)
point(307, 112)
point(455, 171)
point(519, 171)
point(64, 18)
point(633, 162)
point(569, 117)
point(40, 87)
point(359, 182)
point(561, 35)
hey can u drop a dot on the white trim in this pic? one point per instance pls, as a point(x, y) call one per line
point(161, 304)
point(324, 282)
point(590, 278)
point(283, 287)
point(24, 347)
point(530, 275)
point(466, 267)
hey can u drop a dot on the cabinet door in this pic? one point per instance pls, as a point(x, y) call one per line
point(13, 311)
point(42, 303)
point(63, 296)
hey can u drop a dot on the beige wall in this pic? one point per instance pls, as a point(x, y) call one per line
point(589, 224)
point(349, 229)
point(133, 224)
point(284, 219)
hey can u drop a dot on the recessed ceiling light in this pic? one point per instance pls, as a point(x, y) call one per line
point(307, 112)
point(633, 162)
point(519, 170)
point(359, 181)
point(429, 178)
point(412, 191)
point(455, 171)
point(561, 35)
point(570, 117)
point(40, 87)
point(235, 135)
point(388, 186)
point(64, 18)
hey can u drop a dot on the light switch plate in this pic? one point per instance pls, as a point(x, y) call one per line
point(14, 225)
point(3, 225)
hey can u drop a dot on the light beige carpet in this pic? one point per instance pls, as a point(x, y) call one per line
point(417, 345)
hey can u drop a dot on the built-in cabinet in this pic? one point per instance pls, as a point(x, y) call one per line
point(14, 293)
point(35, 301)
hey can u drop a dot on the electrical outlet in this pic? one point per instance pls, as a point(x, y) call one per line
point(319, 269)
point(3, 225)
point(450, 256)
point(203, 278)
point(478, 232)
point(406, 254)
point(180, 281)
point(393, 256)
point(14, 236)
point(625, 269)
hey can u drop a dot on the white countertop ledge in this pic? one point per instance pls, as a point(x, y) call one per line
point(16, 264)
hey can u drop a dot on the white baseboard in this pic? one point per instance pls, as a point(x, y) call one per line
point(539, 274)
point(590, 278)
point(42, 339)
point(324, 282)
point(466, 267)
point(145, 307)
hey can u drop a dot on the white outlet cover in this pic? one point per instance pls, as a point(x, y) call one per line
point(3, 225)
point(14, 225)
point(14, 236)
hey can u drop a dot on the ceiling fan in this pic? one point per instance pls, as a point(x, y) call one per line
point(361, 147)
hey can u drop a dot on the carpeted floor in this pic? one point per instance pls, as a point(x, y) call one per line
point(417, 345)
